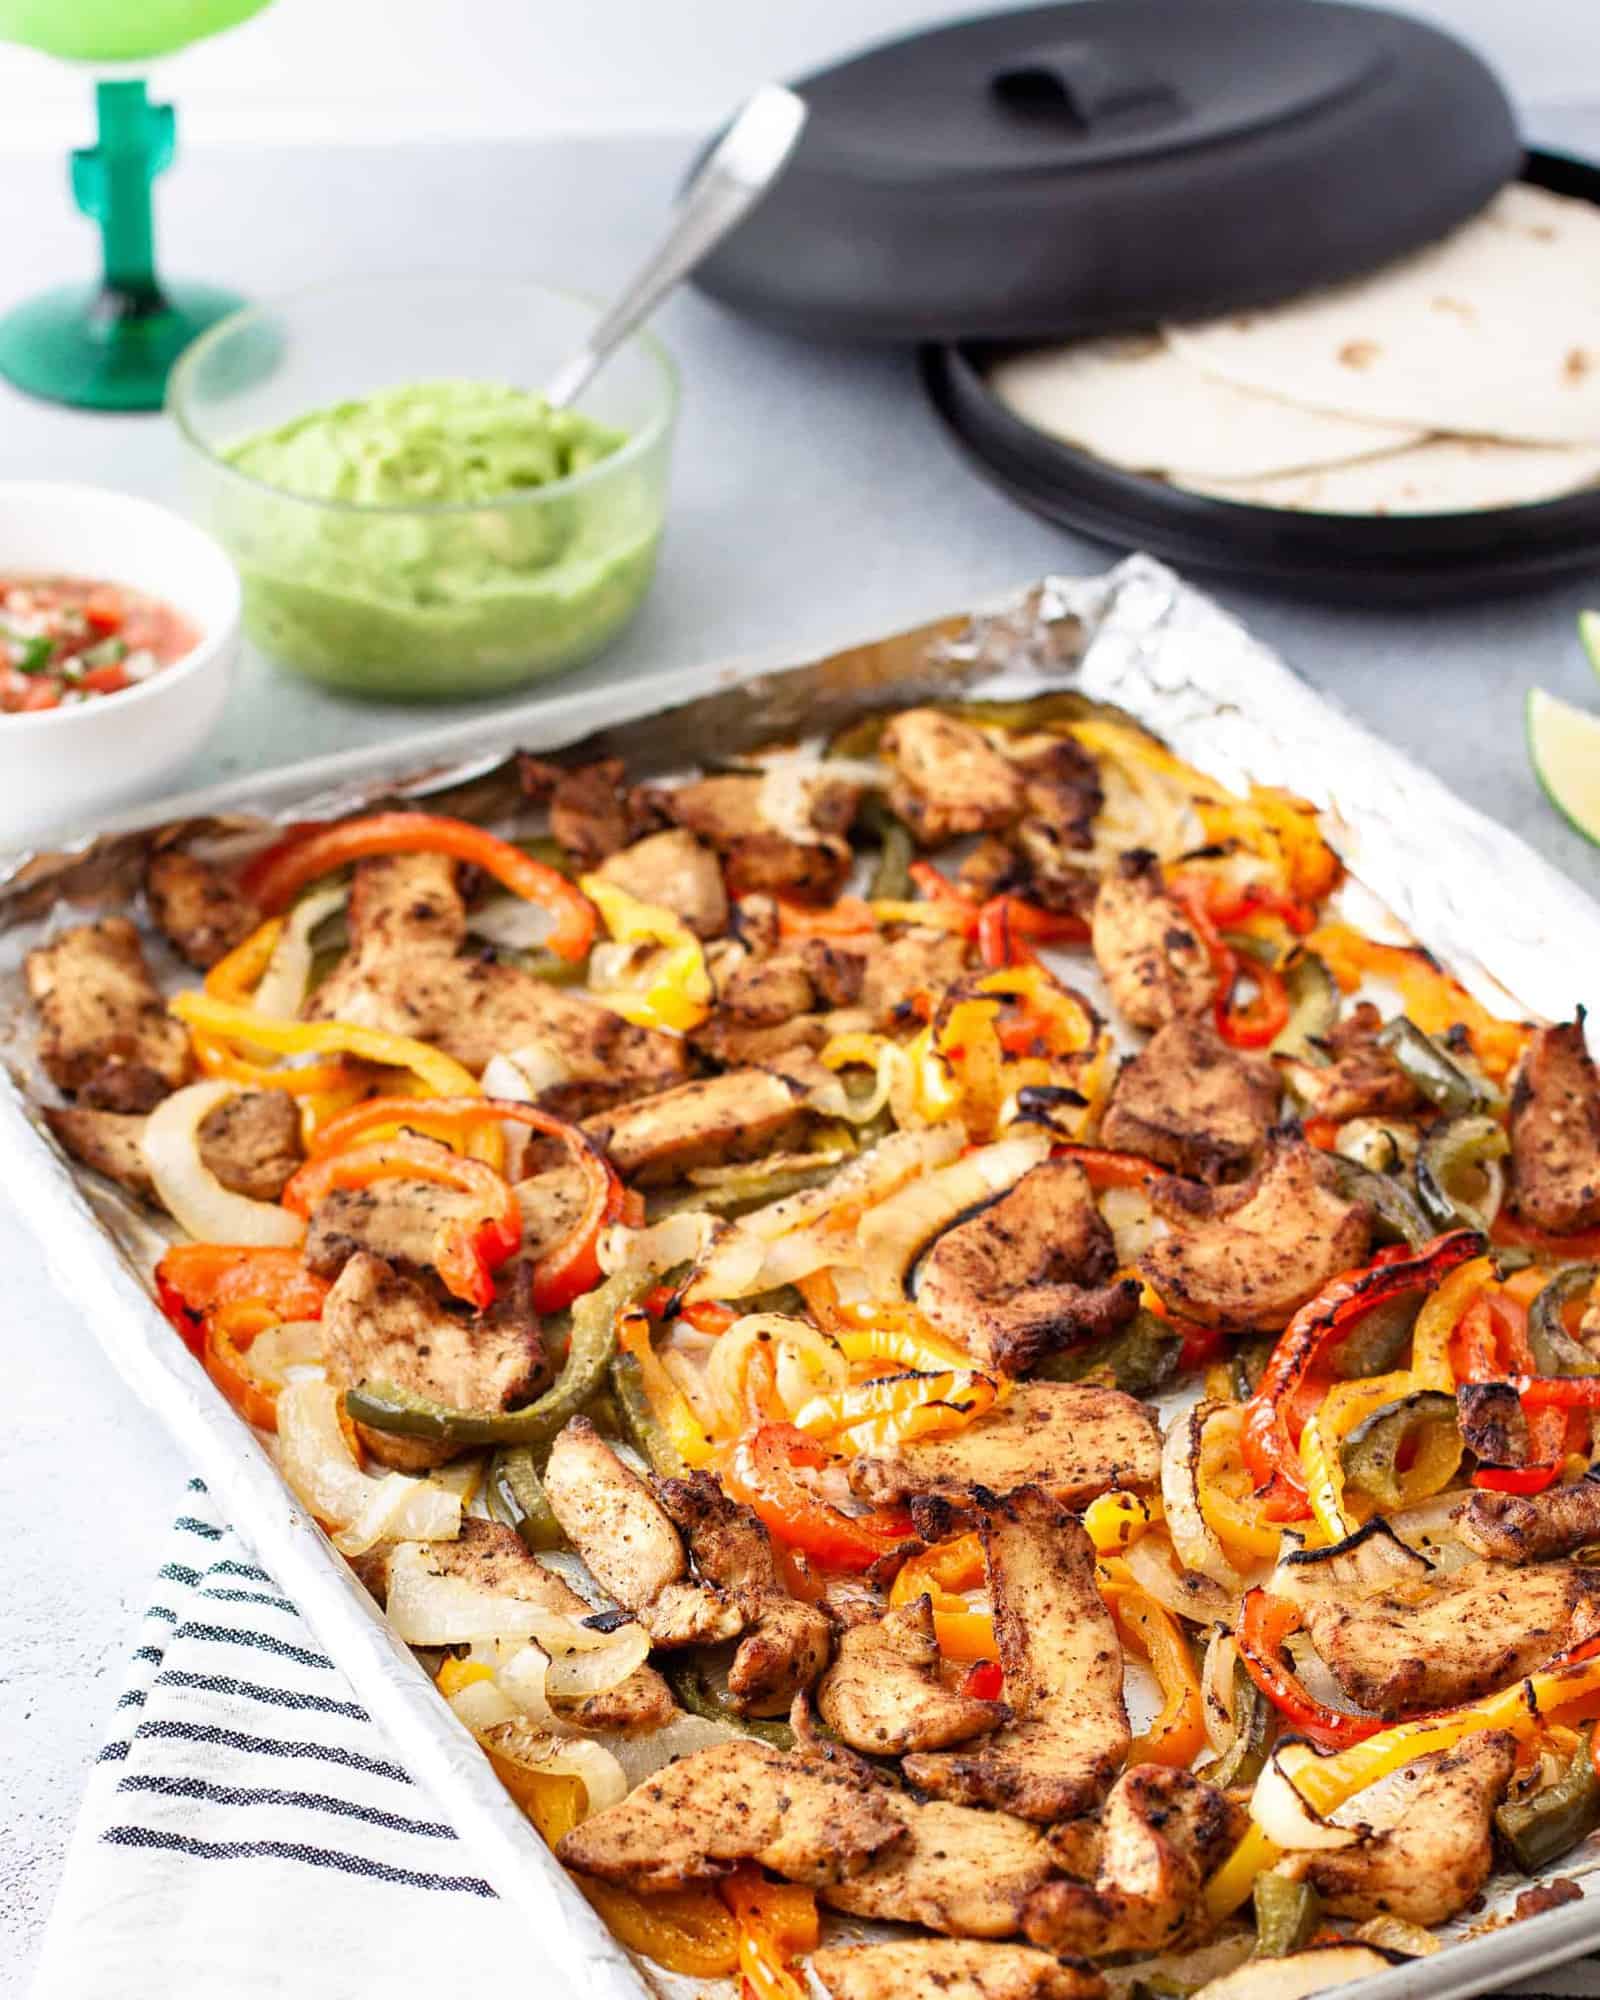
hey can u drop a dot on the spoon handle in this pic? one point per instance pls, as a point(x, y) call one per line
point(731, 180)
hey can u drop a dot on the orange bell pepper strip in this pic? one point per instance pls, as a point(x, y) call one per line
point(194, 1279)
point(689, 1930)
point(274, 877)
point(762, 1471)
point(777, 1921)
point(938, 1574)
point(1108, 1169)
point(230, 1332)
point(1177, 1734)
point(849, 916)
point(1258, 1022)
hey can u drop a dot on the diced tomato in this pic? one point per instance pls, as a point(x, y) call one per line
point(985, 1681)
point(104, 608)
point(110, 679)
point(42, 693)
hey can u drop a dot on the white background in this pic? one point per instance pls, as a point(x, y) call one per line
point(363, 70)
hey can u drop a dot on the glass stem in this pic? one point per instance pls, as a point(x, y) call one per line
point(111, 183)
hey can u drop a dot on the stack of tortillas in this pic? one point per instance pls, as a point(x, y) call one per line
point(1465, 376)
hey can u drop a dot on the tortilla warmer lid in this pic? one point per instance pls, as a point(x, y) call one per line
point(1082, 168)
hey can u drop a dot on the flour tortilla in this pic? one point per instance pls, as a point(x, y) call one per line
point(1442, 476)
point(1492, 332)
point(1133, 403)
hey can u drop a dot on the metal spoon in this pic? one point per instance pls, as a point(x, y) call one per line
point(733, 178)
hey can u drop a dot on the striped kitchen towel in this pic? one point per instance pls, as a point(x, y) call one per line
point(248, 1833)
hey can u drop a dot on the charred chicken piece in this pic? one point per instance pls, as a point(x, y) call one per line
point(1251, 1255)
point(759, 858)
point(397, 1218)
point(1152, 959)
point(588, 813)
point(250, 1142)
point(738, 1116)
point(1360, 1079)
point(1163, 1831)
point(949, 779)
point(1029, 1275)
point(959, 1871)
point(1555, 1131)
point(105, 1036)
point(675, 872)
point(883, 1694)
point(1531, 1527)
point(1070, 1438)
point(1062, 1663)
point(198, 907)
point(1435, 1853)
point(954, 1968)
point(382, 1327)
point(1193, 1104)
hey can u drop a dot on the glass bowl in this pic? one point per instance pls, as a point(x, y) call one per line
point(426, 599)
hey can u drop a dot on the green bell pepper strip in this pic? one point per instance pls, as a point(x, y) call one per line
point(1241, 1763)
point(404, 1413)
point(1448, 1150)
point(1287, 1915)
point(686, 1678)
point(515, 1495)
point(1400, 1217)
point(1138, 1358)
point(640, 1425)
point(1313, 997)
point(1370, 1453)
point(1541, 1829)
point(891, 878)
point(1430, 1070)
point(1554, 1349)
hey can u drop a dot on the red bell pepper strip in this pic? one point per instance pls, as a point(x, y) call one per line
point(762, 1473)
point(1580, 1246)
point(193, 1279)
point(1108, 1169)
point(1258, 1022)
point(273, 878)
point(1008, 926)
point(1265, 1441)
point(563, 1273)
point(1490, 1344)
point(985, 1682)
point(849, 916)
point(1258, 899)
point(1265, 1622)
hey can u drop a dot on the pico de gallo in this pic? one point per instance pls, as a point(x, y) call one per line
point(66, 639)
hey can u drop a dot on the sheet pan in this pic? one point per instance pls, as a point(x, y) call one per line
point(1514, 929)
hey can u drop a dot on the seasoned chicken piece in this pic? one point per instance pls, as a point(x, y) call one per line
point(883, 1693)
point(250, 1142)
point(1062, 1662)
point(397, 1219)
point(1251, 1255)
point(1029, 1275)
point(1192, 1103)
point(1483, 1626)
point(1071, 1438)
point(1163, 1832)
point(1152, 959)
point(785, 1643)
point(949, 779)
point(625, 1536)
point(553, 1202)
point(959, 1871)
point(105, 1034)
point(1360, 1079)
point(1555, 1131)
point(407, 902)
point(588, 813)
point(727, 812)
point(380, 1327)
point(198, 907)
point(704, 1815)
point(495, 1559)
point(954, 1968)
point(1435, 1852)
point(895, 969)
point(1531, 1527)
point(1064, 793)
point(762, 992)
point(719, 1119)
point(992, 867)
point(675, 872)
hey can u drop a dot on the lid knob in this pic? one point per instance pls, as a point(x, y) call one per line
point(1078, 84)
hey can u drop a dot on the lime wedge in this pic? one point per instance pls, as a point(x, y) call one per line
point(1589, 633)
point(1564, 743)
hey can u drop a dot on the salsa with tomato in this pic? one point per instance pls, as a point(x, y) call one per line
point(65, 639)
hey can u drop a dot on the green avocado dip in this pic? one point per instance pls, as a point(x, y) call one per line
point(442, 561)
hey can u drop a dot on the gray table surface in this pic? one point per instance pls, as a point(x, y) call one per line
point(813, 495)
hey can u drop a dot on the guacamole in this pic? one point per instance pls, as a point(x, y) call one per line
point(442, 562)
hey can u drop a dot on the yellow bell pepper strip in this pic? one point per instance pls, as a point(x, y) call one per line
point(233, 979)
point(877, 1415)
point(274, 877)
point(1228, 1503)
point(573, 1266)
point(1433, 1001)
point(682, 1930)
point(466, 1250)
point(678, 994)
point(230, 1022)
point(1431, 1367)
point(1324, 1481)
point(1113, 1520)
point(777, 1921)
point(667, 1402)
point(1177, 1735)
point(939, 1573)
point(905, 1344)
point(1570, 1685)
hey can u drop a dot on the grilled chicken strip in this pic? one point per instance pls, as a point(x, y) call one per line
point(381, 1327)
point(1154, 963)
point(959, 1871)
point(1192, 1103)
point(630, 1544)
point(1360, 1079)
point(198, 907)
point(1070, 1438)
point(397, 1219)
point(1531, 1527)
point(741, 1801)
point(105, 1035)
point(759, 858)
point(588, 813)
point(738, 1116)
point(883, 1694)
point(1555, 1131)
point(494, 1559)
point(1163, 1831)
point(954, 1968)
point(1436, 1851)
point(250, 1142)
point(675, 872)
point(1251, 1255)
point(785, 1643)
point(949, 780)
point(1029, 1275)
point(1063, 789)
point(1062, 1663)
point(1481, 1627)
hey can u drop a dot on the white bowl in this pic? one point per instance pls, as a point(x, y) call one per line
point(64, 769)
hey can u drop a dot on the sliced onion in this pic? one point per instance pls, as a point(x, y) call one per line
point(812, 1361)
point(1283, 1815)
point(1196, 1544)
point(511, 921)
point(789, 779)
point(428, 1609)
point(1131, 1220)
point(315, 1458)
point(601, 1776)
point(186, 1186)
point(524, 1681)
point(282, 991)
point(292, 1347)
point(482, 1706)
point(1186, 1592)
point(642, 1756)
point(1374, 1558)
point(891, 1236)
point(683, 1238)
point(771, 1163)
point(1216, 1688)
point(577, 1675)
point(832, 1100)
point(525, 1074)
